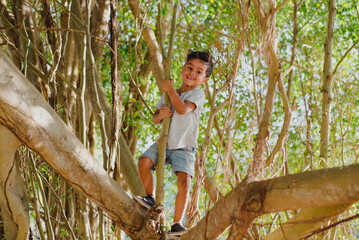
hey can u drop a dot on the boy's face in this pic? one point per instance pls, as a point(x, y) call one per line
point(194, 73)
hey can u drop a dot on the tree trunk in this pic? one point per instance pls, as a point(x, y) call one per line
point(270, 42)
point(13, 202)
point(152, 44)
point(25, 18)
point(327, 82)
point(99, 25)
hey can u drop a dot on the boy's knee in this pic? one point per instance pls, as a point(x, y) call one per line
point(145, 162)
point(183, 180)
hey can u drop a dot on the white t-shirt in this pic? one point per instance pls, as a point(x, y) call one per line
point(184, 128)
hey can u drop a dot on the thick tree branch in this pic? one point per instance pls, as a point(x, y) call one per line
point(305, 222)
point(298, 191)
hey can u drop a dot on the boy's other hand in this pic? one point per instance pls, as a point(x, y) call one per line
point(165, 112)
point(167, 84)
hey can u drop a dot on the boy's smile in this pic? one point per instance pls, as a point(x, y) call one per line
point(193, 74)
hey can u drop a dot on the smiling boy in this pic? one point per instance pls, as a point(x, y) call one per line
point(186, 107)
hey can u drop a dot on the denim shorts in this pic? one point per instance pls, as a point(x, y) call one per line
point(181, 160)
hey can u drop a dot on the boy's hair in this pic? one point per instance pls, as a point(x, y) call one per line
point(205, 56)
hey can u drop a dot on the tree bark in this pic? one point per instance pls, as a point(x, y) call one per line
point(270, 42)
point(25, 18)
point(298, 191)
point(327, 82)
point(151, 42)
point(12, 36)
point(99, 25)
point(13, 202)
point(162, 141)
point(305, 222)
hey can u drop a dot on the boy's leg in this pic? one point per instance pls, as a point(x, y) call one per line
point(145, 166)
point(183, 185)
point(144, 169)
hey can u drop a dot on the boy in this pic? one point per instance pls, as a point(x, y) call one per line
point(186, 106)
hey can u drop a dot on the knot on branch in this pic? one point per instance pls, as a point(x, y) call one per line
point(253, 200)
point(253, 204)
point(154, 218)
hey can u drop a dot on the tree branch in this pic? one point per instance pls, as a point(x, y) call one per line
point(298, 191)
point(305, 222)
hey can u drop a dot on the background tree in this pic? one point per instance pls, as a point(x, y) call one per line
point(82, 83)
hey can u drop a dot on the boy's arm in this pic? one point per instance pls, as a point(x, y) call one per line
point(161, 114)
point(181, 106)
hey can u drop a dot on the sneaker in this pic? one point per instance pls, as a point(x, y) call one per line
point(146, 202)
point(177, 230)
